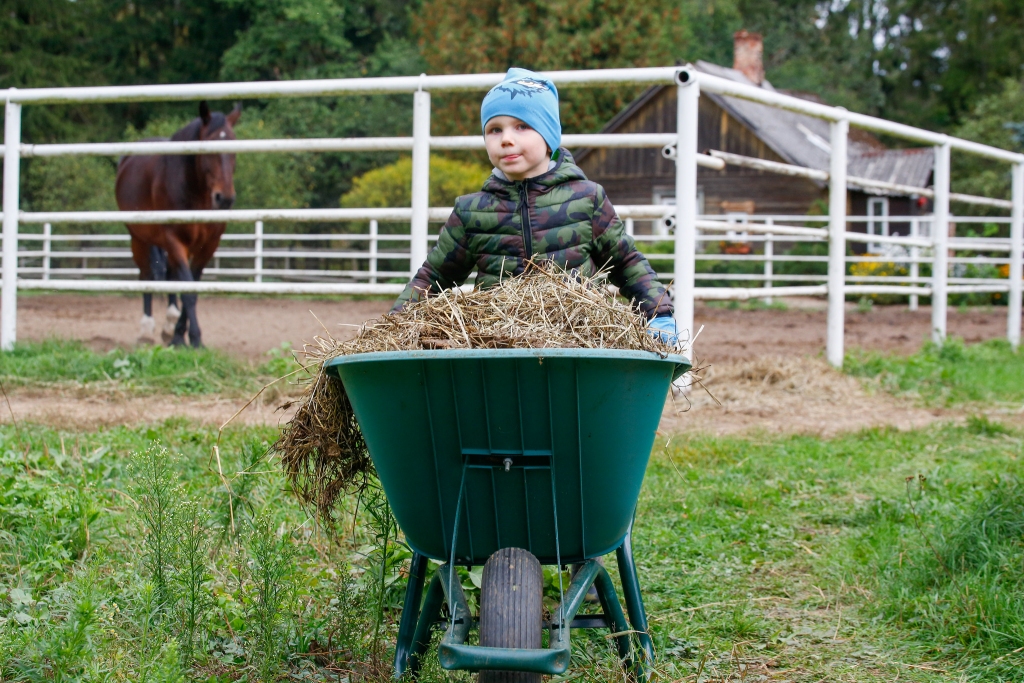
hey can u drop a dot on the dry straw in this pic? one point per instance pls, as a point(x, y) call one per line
point(322, 449)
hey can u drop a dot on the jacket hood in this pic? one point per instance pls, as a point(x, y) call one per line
point(564, 170)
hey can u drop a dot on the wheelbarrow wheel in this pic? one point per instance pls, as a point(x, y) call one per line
point(511, 608)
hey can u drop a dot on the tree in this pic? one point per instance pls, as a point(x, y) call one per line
point(996, 120)
point(480, 36)
point(46, 43)
point(939, 58)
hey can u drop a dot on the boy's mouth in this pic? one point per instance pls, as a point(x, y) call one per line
point(511, 158)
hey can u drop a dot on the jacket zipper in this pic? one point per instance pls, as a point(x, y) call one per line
point(524, 212)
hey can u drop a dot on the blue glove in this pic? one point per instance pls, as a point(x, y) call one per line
point(663, 329)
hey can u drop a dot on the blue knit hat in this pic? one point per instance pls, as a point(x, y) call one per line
point(529, 97)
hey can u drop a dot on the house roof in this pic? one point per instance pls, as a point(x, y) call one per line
point(802, 140)
point(901, 166)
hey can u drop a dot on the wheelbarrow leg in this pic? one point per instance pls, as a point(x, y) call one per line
point(635, 604)
point(429, 615)
point(613, 614)
point(410, 612)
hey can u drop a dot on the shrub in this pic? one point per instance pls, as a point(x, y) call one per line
point(391, 185)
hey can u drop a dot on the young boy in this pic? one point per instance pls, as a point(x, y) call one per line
point(537, 203)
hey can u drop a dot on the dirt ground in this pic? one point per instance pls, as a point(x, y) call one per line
point(766, 366)
point(249, 327)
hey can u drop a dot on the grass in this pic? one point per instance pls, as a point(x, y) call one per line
point(812, 554)
point(951, 374)
point(144, 369)
point(792, 558)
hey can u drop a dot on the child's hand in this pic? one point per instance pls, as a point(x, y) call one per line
point(663, 329)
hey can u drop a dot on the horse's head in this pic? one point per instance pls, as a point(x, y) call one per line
point(218, 170)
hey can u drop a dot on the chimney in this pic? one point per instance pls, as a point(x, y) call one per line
point(746, 55)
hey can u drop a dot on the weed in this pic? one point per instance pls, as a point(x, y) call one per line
point(271, 569)
point(157, 497)
point(865, 304)
point(190, 577)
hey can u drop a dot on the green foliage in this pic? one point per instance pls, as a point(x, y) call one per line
point(75, 183)
point(271, 569)
point(391, 185)
point(190, 578)
point(491, 36)
point(148, 368)
point(158, 497)
point(949, 374)
point(85, 607)
point(990, 123)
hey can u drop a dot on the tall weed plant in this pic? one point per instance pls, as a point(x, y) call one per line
point(272, 569)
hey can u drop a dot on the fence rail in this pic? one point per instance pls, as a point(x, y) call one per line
point(275, 262)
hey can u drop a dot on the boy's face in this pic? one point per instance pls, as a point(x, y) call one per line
point(516, 149)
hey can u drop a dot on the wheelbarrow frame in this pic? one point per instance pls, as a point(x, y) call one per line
point(417, 623)
point(504, 434)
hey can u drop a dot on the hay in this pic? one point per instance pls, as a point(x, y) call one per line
point(321, 447)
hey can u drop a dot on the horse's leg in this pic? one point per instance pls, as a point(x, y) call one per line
point(206, 243)
point(177, 256)
point(147, 326)
point(158, 257)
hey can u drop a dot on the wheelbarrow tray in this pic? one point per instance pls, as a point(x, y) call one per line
point(542, 449)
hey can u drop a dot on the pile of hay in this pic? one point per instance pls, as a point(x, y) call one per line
point(322, 449)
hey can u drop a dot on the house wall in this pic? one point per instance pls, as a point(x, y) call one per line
point(898, 206)
point(636, 176)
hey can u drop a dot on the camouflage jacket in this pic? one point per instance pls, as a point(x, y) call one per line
point(560, 216)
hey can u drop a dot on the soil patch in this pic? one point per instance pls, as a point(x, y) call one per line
point(249, 327)
point(789, 395)
point(770, 394)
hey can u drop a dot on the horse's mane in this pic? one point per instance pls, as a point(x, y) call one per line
point(191, 131)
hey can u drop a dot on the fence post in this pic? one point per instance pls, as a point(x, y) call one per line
point(769, 254)
point(1016, 257)
point(258, 249)
point(420, 179)
point(940, 240)
point(374, 228)
point(687, 100)
point(630, 228)
point(47, 234)
point(12, 172)
point(915, 254)
point(837, 243)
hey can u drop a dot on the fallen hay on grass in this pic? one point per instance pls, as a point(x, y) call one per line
point(321, 447)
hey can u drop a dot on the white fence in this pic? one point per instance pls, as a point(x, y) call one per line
point(29, 257)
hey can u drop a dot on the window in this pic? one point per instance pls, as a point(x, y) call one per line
point(878, 209)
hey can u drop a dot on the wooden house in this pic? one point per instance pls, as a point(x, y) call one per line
point(729, 124)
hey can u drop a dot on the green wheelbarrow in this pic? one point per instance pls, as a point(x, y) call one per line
point(510, 459)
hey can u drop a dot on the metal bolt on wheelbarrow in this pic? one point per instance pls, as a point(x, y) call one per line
point(537, 453)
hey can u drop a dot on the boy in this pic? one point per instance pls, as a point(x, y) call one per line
point(537, 203)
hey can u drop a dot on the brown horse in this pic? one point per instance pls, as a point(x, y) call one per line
point(179, 182)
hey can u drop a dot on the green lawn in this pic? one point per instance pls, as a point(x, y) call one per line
point(794, 558)
point(144, 369)
point(877, 555)
point(949, 374)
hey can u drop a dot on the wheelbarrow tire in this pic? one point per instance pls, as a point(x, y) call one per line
point(511, 608)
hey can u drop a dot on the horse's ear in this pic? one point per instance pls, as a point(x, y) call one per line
point(235, 114)
point(204, 112)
